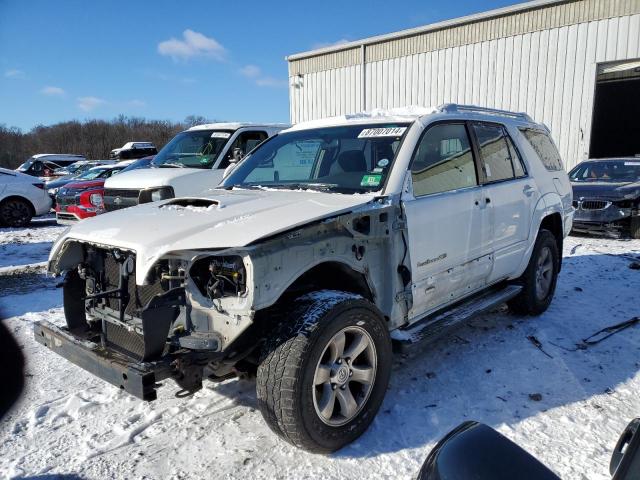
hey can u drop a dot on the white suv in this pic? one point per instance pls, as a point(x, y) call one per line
point(194, 160)
point(325, 243)
point(21, 198)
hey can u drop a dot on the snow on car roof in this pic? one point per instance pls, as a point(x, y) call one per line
point(236, 125)
point(40, 155)
point(378, 115)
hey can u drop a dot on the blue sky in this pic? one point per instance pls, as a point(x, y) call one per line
point(166, 59)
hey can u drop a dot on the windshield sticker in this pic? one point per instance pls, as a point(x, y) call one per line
point(384, 162)
point(377, 170)
point(371, 180)
point(220, 135)
point(382, 132)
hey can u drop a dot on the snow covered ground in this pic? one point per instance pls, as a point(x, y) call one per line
point(71, 424)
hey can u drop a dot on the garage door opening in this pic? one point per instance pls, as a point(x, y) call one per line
point(615, 130)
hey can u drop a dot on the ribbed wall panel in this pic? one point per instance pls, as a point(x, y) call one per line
point(548, 73)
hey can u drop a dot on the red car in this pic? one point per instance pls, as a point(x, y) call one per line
point(82, 198)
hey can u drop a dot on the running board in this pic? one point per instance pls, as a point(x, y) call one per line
point(434, 326)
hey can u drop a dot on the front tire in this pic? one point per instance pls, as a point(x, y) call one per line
point(539, 279)
point(324, 373)
point(15, 212)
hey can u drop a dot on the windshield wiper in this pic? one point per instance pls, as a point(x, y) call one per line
point(170, 165)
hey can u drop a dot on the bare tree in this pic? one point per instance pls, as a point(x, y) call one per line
point(92, 138)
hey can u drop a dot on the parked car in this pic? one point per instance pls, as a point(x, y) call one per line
point(133, 150)
point(71, 173)
point(192, 161)
point(22, 197)
point(474, 451)
point(83, 196)
point(323, 244)
point(606, 196)
point(80, 166)
point(45, 164)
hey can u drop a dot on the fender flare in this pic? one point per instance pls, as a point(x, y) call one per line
point(548, 204)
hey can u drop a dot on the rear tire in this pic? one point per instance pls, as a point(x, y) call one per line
point(539, 279)
point(323, 375)
point(15, 212)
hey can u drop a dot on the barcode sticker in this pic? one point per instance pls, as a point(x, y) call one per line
point(382, 132)
point(220, 135)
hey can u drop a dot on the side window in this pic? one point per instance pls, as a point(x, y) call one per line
point(518, 166)
point(246, 142)
point(494, 152)
point(443, 161)
point(292, 161)
point(544, 148)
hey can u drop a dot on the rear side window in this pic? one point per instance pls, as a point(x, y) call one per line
point(494, 152)
point(443, 161)
point(544, 148)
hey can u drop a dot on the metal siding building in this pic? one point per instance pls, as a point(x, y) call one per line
point(546, 57)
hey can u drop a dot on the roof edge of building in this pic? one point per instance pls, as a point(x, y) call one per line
point(498, 12)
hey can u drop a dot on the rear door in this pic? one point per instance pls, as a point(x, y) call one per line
point(511, 195)
point(447, 221)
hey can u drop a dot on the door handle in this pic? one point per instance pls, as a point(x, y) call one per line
point(528, 190)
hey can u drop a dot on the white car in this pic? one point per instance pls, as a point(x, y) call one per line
point(323, 245)
point(22, 197)
point(193, 161)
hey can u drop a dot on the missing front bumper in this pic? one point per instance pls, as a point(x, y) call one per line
point(137, 378)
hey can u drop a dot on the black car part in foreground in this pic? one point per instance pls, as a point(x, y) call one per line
point(475, 451)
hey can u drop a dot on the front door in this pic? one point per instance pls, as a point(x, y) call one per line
point(447, 220)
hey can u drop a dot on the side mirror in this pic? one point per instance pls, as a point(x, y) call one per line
point(475, 451)
point(625, 460)
point(237, 155)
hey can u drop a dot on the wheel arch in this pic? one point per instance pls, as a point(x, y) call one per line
point(328, 275)
point(547, 215)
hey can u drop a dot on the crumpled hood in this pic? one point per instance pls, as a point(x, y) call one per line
point(605, 190)
point(154, 177)
point(234, 219)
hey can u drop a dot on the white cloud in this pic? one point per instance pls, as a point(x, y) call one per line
point(14, 73)
point(137, 103)
point(251, 71)
point(255, 73)
point(193, 44)
point(271, 82)
point(87, 104)
point(53, 91)
point(317, 45)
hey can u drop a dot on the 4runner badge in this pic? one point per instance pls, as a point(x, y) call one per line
point(432, 260)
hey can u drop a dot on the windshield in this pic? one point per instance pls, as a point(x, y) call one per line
point(141, 163)
point(617, 171)
point(346, 159)
point(73, 169)
point(93, 173)
point(25, 166)
point(193, 149)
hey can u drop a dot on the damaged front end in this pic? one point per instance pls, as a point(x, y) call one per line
point(602, 216)
point(134, 335)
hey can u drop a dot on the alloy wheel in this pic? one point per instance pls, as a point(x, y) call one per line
point(344, 376)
